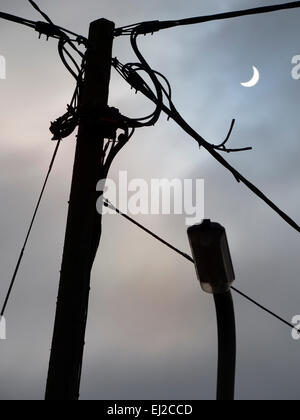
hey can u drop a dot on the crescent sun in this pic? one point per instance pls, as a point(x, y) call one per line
point(254, 80)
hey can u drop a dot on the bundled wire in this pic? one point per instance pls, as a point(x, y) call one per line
point(111, 120)
point(130, 73)
point(65, 125)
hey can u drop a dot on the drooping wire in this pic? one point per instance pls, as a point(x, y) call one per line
point(29, 232)
point(131, 72)
point(153, 77)
point(154, 26)
point(139, 84)
point(62, 51)
point(66, 124)
point(116, 147)
point(108, 204)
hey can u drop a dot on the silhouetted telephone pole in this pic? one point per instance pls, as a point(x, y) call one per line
point(84, 223)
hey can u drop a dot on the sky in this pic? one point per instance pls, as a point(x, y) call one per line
point(152, 331)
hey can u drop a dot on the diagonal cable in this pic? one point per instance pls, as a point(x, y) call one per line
point(108, 204)
point(139, 84)
point(29, 231)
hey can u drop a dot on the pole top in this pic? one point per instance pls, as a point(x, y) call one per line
point(102, 21)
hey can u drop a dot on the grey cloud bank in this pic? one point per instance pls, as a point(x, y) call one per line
point(151, 330)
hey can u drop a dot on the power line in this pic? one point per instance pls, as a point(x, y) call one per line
point(130, 73)
point(186, 256)
point(46, 28)
point(107, 203)
point(49, 21)
point(29, 231)
point(154, 26)
point(64, 337)
point(17, 19)
point(63, 126)
point(66, 124)
point(264, 309)
point(47, 18)
point(36, 7)
point(135, 30)
point(235, 14)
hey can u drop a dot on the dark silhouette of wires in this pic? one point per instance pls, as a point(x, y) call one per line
point(130, 72)
point(48, 20)
point(50, 30)
point(264, 308)
point(17, 19)
point(36, 7)
point(108, 204)
point(65, 125)
point(47, 28)
point(140, 226)
point(29, 231)
point(154, 26)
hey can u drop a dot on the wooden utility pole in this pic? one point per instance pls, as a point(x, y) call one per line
point(84, 223)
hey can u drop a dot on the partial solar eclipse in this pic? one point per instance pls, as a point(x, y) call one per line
point(255, 79)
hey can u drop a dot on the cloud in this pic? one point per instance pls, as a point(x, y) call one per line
point(151, 331)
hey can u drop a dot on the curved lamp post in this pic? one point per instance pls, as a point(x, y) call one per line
point(216, 274)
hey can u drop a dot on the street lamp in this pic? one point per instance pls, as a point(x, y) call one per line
point(215, 271)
